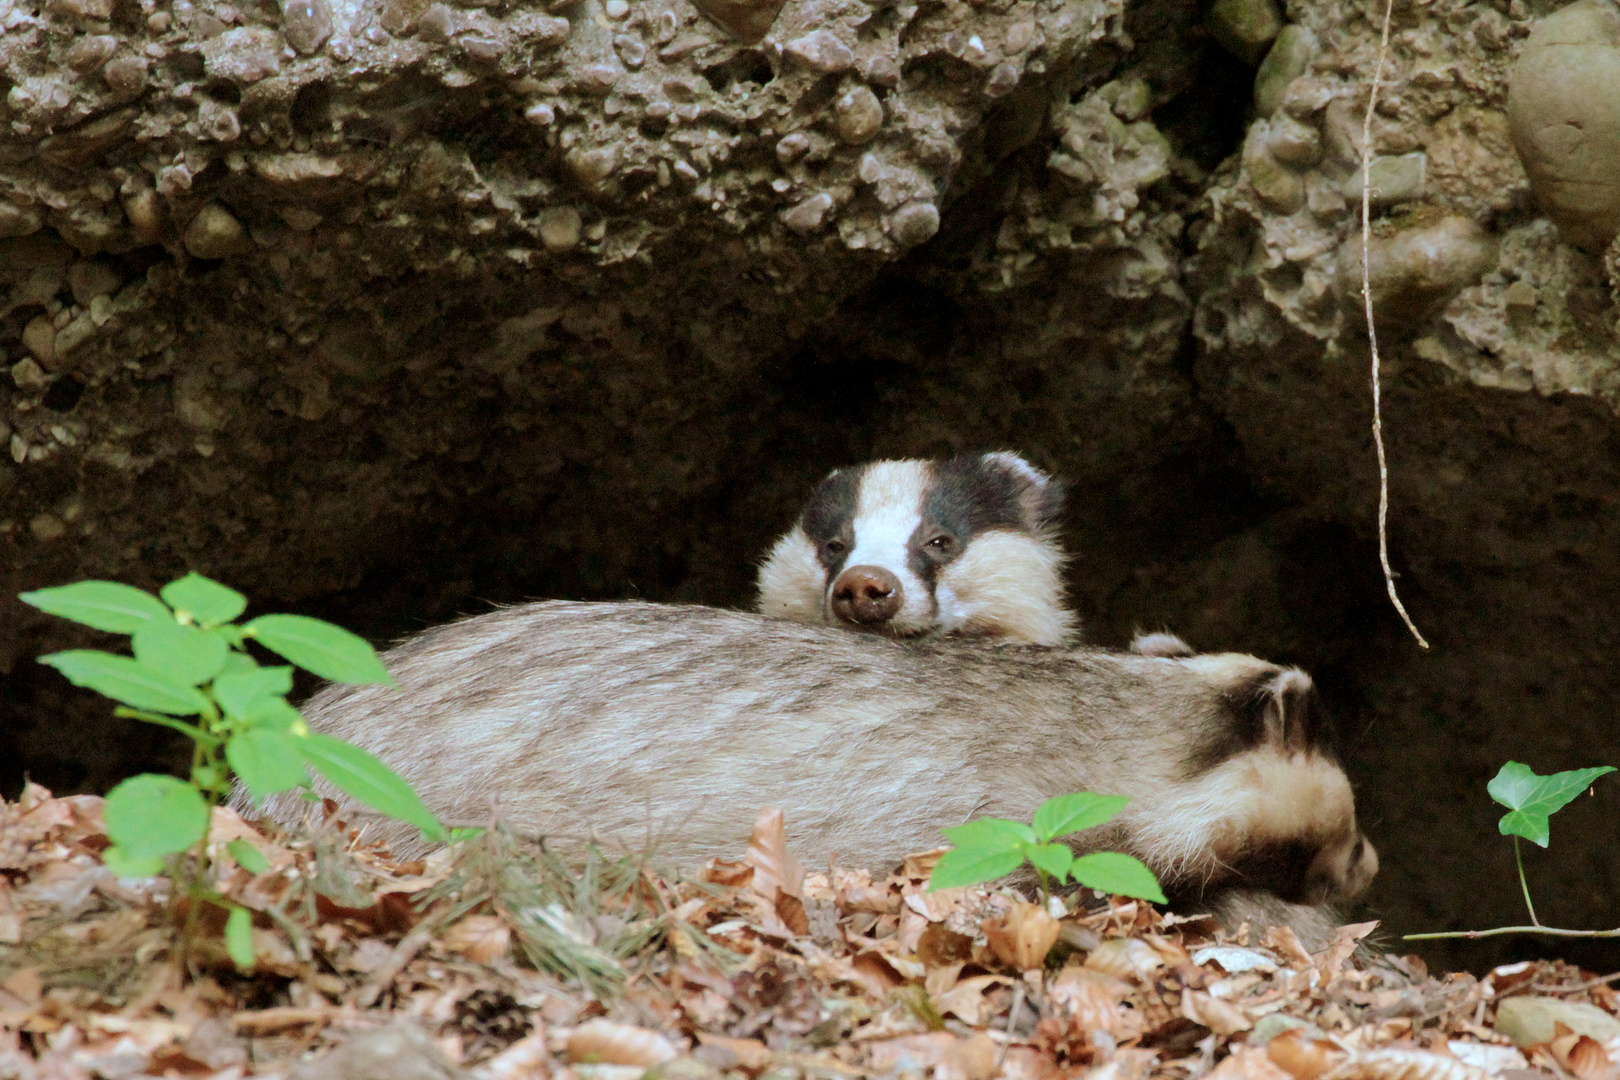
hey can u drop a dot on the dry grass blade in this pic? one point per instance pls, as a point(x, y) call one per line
point(1372, 329)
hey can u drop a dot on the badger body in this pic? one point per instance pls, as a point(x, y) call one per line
point(966, 545)
point(668, 728)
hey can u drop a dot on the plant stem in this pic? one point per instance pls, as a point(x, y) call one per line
point(1519, 859)
point(1046, 893)
point(1537, 929)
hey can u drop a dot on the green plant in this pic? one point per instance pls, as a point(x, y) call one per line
point(1531, 800)
point(988, 848)
point(191, 671)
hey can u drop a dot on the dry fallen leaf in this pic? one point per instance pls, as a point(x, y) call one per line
point(1221, 1017)
point(609, 1043)
point(1022, 937)
point(1304, 1057)
point(1125, 958)
point(480, 938)
point(526, 1059)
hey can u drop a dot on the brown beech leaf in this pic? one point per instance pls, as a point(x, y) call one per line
point(1023, 937)
point(604, 1042)
point(480, 938)
point(1221, 1017)
point(1582, 1055)
point(774, 867)
point(1250, 1063)
point(939, 946)
point(526, 1059)
point(1303, 1057)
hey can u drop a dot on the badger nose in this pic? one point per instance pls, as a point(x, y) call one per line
point(866, 595)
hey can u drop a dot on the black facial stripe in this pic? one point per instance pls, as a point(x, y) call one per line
point(1245, 727)
point(1282, 869)
point(967, 498)
point(830, 515)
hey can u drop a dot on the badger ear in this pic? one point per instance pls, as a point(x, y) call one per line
point(1039, 496)
point(1161, 644)
point(1287, 705)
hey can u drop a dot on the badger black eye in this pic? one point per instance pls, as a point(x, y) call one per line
point(943, 544)
point(833, 547)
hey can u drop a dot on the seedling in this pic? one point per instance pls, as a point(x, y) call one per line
point(191, 671)
point(1531, 800)
point(988, 848)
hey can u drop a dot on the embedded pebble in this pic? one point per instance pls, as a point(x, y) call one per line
point(858, 114)
point(90, 278)
point(544, 30)
point(1003, 79)
point(218, 121)
point(29, 376)
point(1293, 142)
point(806, 215)
point(969, 48)
point(792, 146)
point(881, 70)
point(39, 338)
point(616, 9)
point(1521, 296)
point(486, 50)
point(89, 53)
point(1416, 269)
point(16, 221)
point(560, 228)
point(1286, 61)
point(1564, 116)
point(665, 31)
point(1244, 28)
point(540, 114)
point(306, 24)
point(820, 50)
point(870, 168)
point(746, 20)
point(597, 79)
point(632, 50)
point(914, 223)
point(245, 54)
point(47, 527)
point(1278, 186)
point(125, 75)
point(1020, 36)
point(214, 233)
point(595, 165)
point(1392, 179)
point(437, 23)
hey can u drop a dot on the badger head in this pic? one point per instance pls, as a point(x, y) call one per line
point(965, 545)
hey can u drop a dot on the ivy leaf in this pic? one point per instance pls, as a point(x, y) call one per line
point(207, 602)
point(363, 777)
point(237, 691)
point(314, 645)
point(105, 605)
point(239, 938)
point(1532, 799)
point(1117, 873)
point(247, 856)
point(150, 815)
point(1071, 813)
point(965, 866)
point(1054, 859)
point(267, 760)
point(183, 653)
point(125, 679)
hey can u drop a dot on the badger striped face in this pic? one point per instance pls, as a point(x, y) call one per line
point(964, 545)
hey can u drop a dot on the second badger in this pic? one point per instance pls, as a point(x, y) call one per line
point(638, 722)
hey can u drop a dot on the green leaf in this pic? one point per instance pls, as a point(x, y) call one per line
point(123, 678)
point(990, 834)
point(151, 815)
point(274, 714)
point(1532, 799)
point(105, 605)
point(123, 865)
point(962, 866)
point(239, 938)
point(236, 691)
point(1071, 813)
point(363, 777)
point(207, 602)
point(268, 761)
point(329, 651)
point(237, 662)
point(1055, 859)
point(183, 653)
point(1117, 873)
point(247, 856)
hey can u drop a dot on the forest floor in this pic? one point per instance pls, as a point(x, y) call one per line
point(497, 961)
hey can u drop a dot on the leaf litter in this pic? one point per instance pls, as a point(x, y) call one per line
point(501, 960)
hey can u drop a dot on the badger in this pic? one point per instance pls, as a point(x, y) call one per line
point(642, 724)
point(966, 545)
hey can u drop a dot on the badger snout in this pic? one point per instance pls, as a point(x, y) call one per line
point(865, 595)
